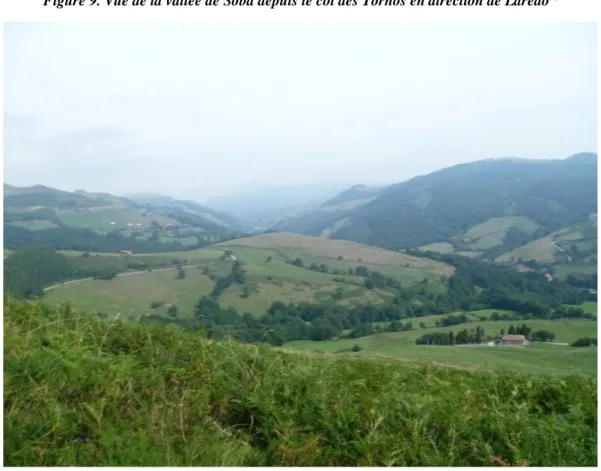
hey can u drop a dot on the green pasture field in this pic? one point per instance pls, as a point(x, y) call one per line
point(534, 359)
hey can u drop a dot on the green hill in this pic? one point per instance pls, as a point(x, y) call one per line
point(174, 207)
point(42, 216)
point(86, 391)
point(575, 245)
point(269, 276)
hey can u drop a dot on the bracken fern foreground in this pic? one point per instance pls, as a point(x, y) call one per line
point(85, 391)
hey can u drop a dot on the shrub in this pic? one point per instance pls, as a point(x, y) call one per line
point(172, 311)
point(107, 274)
point(585, 342)
point(543, 336)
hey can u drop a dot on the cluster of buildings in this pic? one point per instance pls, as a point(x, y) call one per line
point(525, 269)
point(129, 224)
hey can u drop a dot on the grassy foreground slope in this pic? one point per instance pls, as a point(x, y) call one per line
point(86, 391)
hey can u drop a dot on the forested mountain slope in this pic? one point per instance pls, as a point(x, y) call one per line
point(326, 219)
point(547, 194)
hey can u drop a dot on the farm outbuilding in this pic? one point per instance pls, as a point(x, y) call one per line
point(514, 340)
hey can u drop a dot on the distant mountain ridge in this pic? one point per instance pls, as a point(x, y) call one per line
point(440, 206)
point(356, 192)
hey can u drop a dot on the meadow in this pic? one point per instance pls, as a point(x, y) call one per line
point(290, 246)
point(269, 276)
point(132, 293)
point(35, 225)
point(87, 391)
point(589, 307)
point(562, 271)
point(541, 250)
point(483, 236)
point(101, 218)
point(536, 359)
point(491, 233)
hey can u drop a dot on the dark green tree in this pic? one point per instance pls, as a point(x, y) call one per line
point(172, 311)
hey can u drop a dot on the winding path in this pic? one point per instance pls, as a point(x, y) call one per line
point(137, 272)
point(561, 250)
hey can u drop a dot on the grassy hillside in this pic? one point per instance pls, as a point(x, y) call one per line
point(131, 295)
point(159, 202)
point(541, 250)
point(58, 217)
point(112, 218)
point(575, 245)
point(487, 235)
point(85, 391)
point(269, 276)
point(350, 252)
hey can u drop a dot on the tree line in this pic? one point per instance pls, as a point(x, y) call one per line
point(464, 337)
point(479, 336)
point(27, 272)
point(479, 285)
point(71, 238)
point(236, 275)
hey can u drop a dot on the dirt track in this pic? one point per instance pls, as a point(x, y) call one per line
point(138, 272)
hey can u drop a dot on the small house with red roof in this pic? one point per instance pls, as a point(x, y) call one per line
point(514, 340)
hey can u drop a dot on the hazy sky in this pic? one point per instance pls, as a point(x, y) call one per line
point(208, 109)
